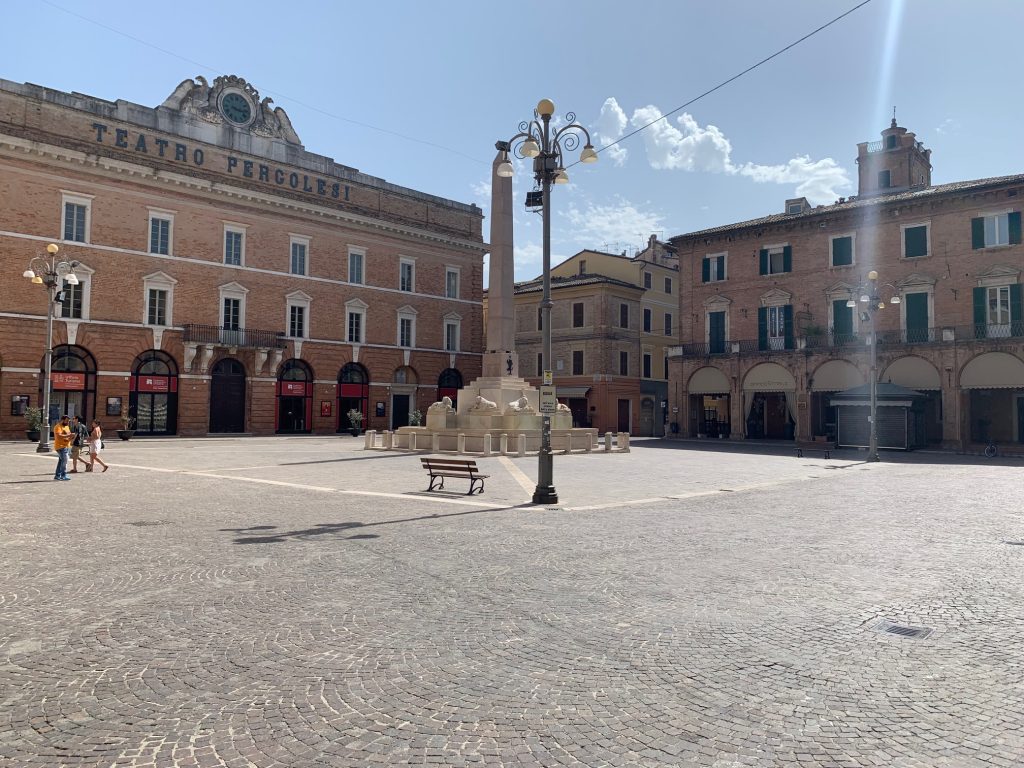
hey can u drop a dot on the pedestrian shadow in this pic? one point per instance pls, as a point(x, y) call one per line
point(22, 482)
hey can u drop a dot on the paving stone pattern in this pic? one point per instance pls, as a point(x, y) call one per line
point(205, 615)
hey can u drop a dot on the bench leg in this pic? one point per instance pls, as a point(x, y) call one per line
point(472, 482)
point(439, 480)
point(799, 453)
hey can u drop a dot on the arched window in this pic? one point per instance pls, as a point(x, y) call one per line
point(353, 394)
point(72, 382)
point(294, 412)
point(153, 396)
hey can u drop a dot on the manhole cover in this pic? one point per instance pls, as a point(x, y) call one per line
point(902, 630)
point(141, 523)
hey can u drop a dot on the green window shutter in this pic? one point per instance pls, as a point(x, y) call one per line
point(787, 258)
point(842, 251)
point(787, 315)
point(915, 240)
point(980, 313)
point(917, 316)
point(762, 327)
point(1014, 222)
point(705, 270)
point(977, 233)
point(721, 261)
point(1016, 317)
point(842, 319)
point(764, 261)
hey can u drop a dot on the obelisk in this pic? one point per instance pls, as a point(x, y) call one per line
point(500, 358)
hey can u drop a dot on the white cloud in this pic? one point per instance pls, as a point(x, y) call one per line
point(690, 147)
point(949, 125)
point(595, 226)
point(610, 125)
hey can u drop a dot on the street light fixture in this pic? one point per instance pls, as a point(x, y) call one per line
point(873, 303)
point(537, 141)
point(49, 271)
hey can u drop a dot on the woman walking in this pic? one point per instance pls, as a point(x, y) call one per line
point(95, 444)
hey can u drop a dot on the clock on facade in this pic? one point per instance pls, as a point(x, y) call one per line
point(236, 108)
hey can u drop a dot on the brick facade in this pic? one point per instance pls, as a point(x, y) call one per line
point(211, 177)
point(764, 321)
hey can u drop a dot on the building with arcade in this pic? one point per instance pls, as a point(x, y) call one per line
point(229, 280)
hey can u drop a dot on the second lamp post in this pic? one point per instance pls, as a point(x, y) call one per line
point(537, 140)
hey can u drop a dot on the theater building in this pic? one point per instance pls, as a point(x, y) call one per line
point(230, 281)
point(768, 335)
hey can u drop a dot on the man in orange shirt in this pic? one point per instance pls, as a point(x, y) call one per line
point(62, 440)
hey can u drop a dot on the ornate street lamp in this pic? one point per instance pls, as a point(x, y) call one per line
point(50, 272)
point(537, 141)
point(872, 303)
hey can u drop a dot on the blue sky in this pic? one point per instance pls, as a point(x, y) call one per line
point(417, 93)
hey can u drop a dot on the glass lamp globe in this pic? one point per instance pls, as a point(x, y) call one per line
point(588, 155)
point(895, 300)
point(561, 177)
point(505, 170)
point(530, 148)
point(28, 273)
point(71, 278)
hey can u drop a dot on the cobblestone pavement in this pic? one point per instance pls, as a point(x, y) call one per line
point(274, 602)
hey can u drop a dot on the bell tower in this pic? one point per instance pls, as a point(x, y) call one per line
point(897, 163)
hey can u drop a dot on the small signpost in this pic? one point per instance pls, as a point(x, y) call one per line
point(547, 378)
point(548, 401)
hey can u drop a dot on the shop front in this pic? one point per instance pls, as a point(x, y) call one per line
point(831, 377)
point(575, 398)
point(918, 374)
point(769, 403)
point(72, 383)
point(153, 395)
point(993, 386)
point(353, 394)
point(709, 403)
point(294, 413)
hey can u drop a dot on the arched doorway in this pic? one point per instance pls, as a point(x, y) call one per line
point(448, 385)
point(993, 383)
point(646, 428)
point(294, 413)
point(710, 404)
point(403, 396)
point(353, 394)
point(918, 374)
point(829, 378)
point(769, 393)
point(227, 396)
point(72, 383)
point(153, 395)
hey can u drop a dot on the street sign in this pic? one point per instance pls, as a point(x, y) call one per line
point(548, 401)
point(547, 377)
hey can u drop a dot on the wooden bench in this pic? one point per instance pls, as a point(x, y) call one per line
point(823, 447)
point(439, 469)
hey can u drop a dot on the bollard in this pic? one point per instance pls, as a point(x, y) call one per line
point(623, 442)
point(522, 445)
point(369, 439)
point(503, 443)
point(387, 440)
point(462, 442)
point(487, 444)
point(412, 441)
point(590, 443)
point(435, 443)
point(607, 442)
point(568, 444)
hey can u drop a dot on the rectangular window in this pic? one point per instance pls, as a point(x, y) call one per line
point(647, 320)
point(355, 327)
point(623, 363)
point(647, 365)
point(668, 285)
point(647, 281)
point(842, 251)
point(915, 241)
point(156, 313)
point(997, 229)
point(233, 241)
point(540, 364)
point(451, 337)
point(71, 301)
point(232, 316)
point(405, 277)
point(577, 314)
point(915, 308)
point(298, 258)
point(297, 322)
point(716, 333)
point(777, 260)
point(776, 328)
point(405, 332)
point(74, 222)
point(160, 236)
point(713, 268)
point(665, 376)
point(883, 180)
point(998, 307)
point(540, 319)
point(577, 362)
point(355, 267)
point(583, 266)
point(668, 324)
point(451, 283)
point(624, 315)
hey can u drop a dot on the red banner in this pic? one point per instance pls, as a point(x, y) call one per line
point(154, 384)
point(62, 380)
point(293, 388)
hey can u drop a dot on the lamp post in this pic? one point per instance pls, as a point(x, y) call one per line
point(872, 302)
point(537, 141)
point(49, 271)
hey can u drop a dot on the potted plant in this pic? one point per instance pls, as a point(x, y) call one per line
point(355, 420)
point(34, 422)
point(415, 418)
point(127, 427)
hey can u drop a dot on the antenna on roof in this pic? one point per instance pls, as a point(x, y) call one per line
point(893, 115)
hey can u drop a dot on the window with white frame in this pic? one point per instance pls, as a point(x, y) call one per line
point(298, 314)
point(647, 281)
point(713, 268)
point(997, 307)
point(915, 240)
point(452, 332)
point(74, 299)
point(776, 327)
point(356, 260)
point(355, 321)
point(407, 275)
point(451, 282)
point(232, 313)
point(76, 216)
point(234, 244)
point(996, 229)
point(161, 226)
point(668, 285)
point(407, 327)
point(841, 249)
point(299, 254)
point(159, 297)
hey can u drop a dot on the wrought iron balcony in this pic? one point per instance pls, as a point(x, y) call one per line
point(979, 331)
point(233, 337)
